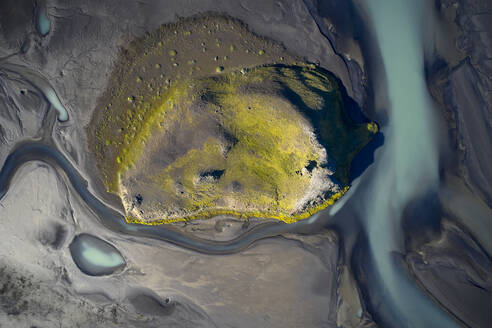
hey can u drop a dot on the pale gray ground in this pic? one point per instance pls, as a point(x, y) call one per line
point(280, 282)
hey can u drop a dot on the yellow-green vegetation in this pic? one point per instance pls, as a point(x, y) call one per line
point(265, 140)
point(147, 68)
point(271, 142)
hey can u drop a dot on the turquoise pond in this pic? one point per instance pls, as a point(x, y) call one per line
point(95, 256)
point(43, 22)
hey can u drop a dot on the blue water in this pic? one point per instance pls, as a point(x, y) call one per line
point(50, 94)
point(407, 164)
point(95, 256)
point(44, 23)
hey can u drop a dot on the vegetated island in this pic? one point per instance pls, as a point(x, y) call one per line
point(203, 118)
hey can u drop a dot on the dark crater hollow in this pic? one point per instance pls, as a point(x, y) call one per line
point(213, 175)
point(54, 237)
point(152, 304)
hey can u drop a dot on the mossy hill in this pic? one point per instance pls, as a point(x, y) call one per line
point(268, 140)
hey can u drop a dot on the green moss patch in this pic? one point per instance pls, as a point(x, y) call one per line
point(267, 139)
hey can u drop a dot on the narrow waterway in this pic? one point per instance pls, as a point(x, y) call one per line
point(114, 220)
